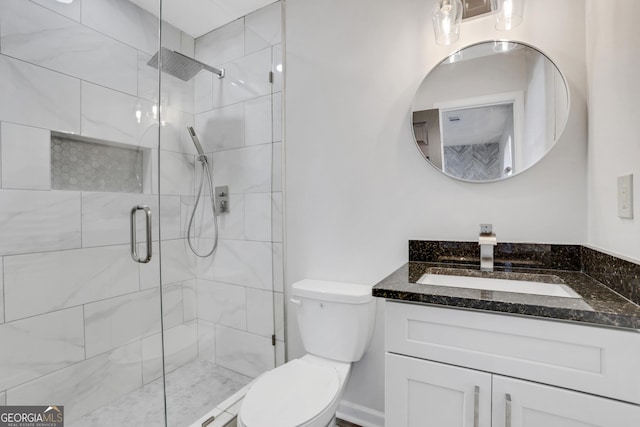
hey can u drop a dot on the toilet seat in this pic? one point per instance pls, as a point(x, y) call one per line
point(290, 395)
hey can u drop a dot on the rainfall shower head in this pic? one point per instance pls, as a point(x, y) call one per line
point(196, 141)
point(181, 66)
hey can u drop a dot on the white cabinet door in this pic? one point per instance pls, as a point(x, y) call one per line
point(419, 393)
point(536, 405)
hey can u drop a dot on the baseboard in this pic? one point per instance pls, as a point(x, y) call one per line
point(361, 415)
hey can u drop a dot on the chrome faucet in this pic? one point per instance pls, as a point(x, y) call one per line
point(487, 240)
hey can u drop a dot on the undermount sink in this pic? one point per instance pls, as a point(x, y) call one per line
point(502, 285)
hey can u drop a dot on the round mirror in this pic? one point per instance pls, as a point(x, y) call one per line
point(490, 111)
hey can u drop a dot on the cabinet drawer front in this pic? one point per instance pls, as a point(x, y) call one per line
point(421, 393)
point(579, 357)
point(533, 404)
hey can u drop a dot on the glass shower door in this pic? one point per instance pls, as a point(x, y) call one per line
point(220, 310)
point(80, 321)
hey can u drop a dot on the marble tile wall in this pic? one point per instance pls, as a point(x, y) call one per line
point(239, 120)
point(68, 284)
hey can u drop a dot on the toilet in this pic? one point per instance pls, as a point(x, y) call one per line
point(336, 323)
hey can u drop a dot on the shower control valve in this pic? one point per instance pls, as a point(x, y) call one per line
point(222, 199)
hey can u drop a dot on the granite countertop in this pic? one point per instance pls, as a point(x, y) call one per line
point(599, 305)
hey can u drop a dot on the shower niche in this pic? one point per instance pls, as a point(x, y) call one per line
point(80, 163)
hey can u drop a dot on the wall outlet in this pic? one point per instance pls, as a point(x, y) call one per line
point(625, 196)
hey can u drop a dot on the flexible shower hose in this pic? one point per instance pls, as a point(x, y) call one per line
point(205, 169)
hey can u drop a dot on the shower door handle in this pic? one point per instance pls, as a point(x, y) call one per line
point(134, 245)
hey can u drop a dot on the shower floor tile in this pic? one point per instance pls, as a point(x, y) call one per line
point(192, 391)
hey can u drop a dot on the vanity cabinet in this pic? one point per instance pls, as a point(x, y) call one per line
point(457, 368)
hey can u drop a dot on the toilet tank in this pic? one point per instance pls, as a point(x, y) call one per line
point(335, 319)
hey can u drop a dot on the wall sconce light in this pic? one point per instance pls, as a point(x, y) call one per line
point(447, 17)
point(508, 13)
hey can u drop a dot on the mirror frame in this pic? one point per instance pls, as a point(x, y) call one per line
point(546, 153)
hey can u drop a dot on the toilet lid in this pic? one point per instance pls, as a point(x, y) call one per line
point(290, 395)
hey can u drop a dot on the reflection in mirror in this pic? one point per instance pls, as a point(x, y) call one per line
point(490, 111)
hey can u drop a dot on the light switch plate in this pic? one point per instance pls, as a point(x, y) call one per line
point(625, 196)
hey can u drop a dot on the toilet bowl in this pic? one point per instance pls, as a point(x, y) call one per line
point(304, 392)
point(336, 324)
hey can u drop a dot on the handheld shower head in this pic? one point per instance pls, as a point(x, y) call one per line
point(196, 141)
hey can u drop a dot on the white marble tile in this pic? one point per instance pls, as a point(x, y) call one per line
point(177, 94)
point(111, 115)
point(66, 278)
point(263, 28)
point(34, 221)
point(35, 96)
point(243, 352)
point(60, 333)
point(278, 311)
point(243, 263)
point(222, 128)
point(151, 358)
point(147, 79)
point(258, 216)
point(222, 303)
point(180, 348)
point(26, 157)
point(106, 217)
point(70, 10)
point(203, 92)
point(276, 167)
point(230, 224)
point(204, 265)
point(170, 217)
point(123, 21)
point(222, 45)
point(244, 170)
point(189, 300)
point(278, 268)
point(260, 307)
point(177, 261)
point(257, 124)
point(278, 68)
point(45, 38)
point(206, 341)
point(85, 386)
point(117, 321)
point(235, 398)
point(172, 306)
point(150, 272)
point(245, 78)
point(277, 116)
point(176, 173)
point(173, 131)
point(276, 217)
point(186, 208)
point(253, 42)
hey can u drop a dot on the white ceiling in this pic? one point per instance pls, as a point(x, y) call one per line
point(198, 17)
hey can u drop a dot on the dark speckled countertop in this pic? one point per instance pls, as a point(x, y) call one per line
point(599, 305)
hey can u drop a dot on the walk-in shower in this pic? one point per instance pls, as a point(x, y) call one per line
point(83, 140)
point(205, 170)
